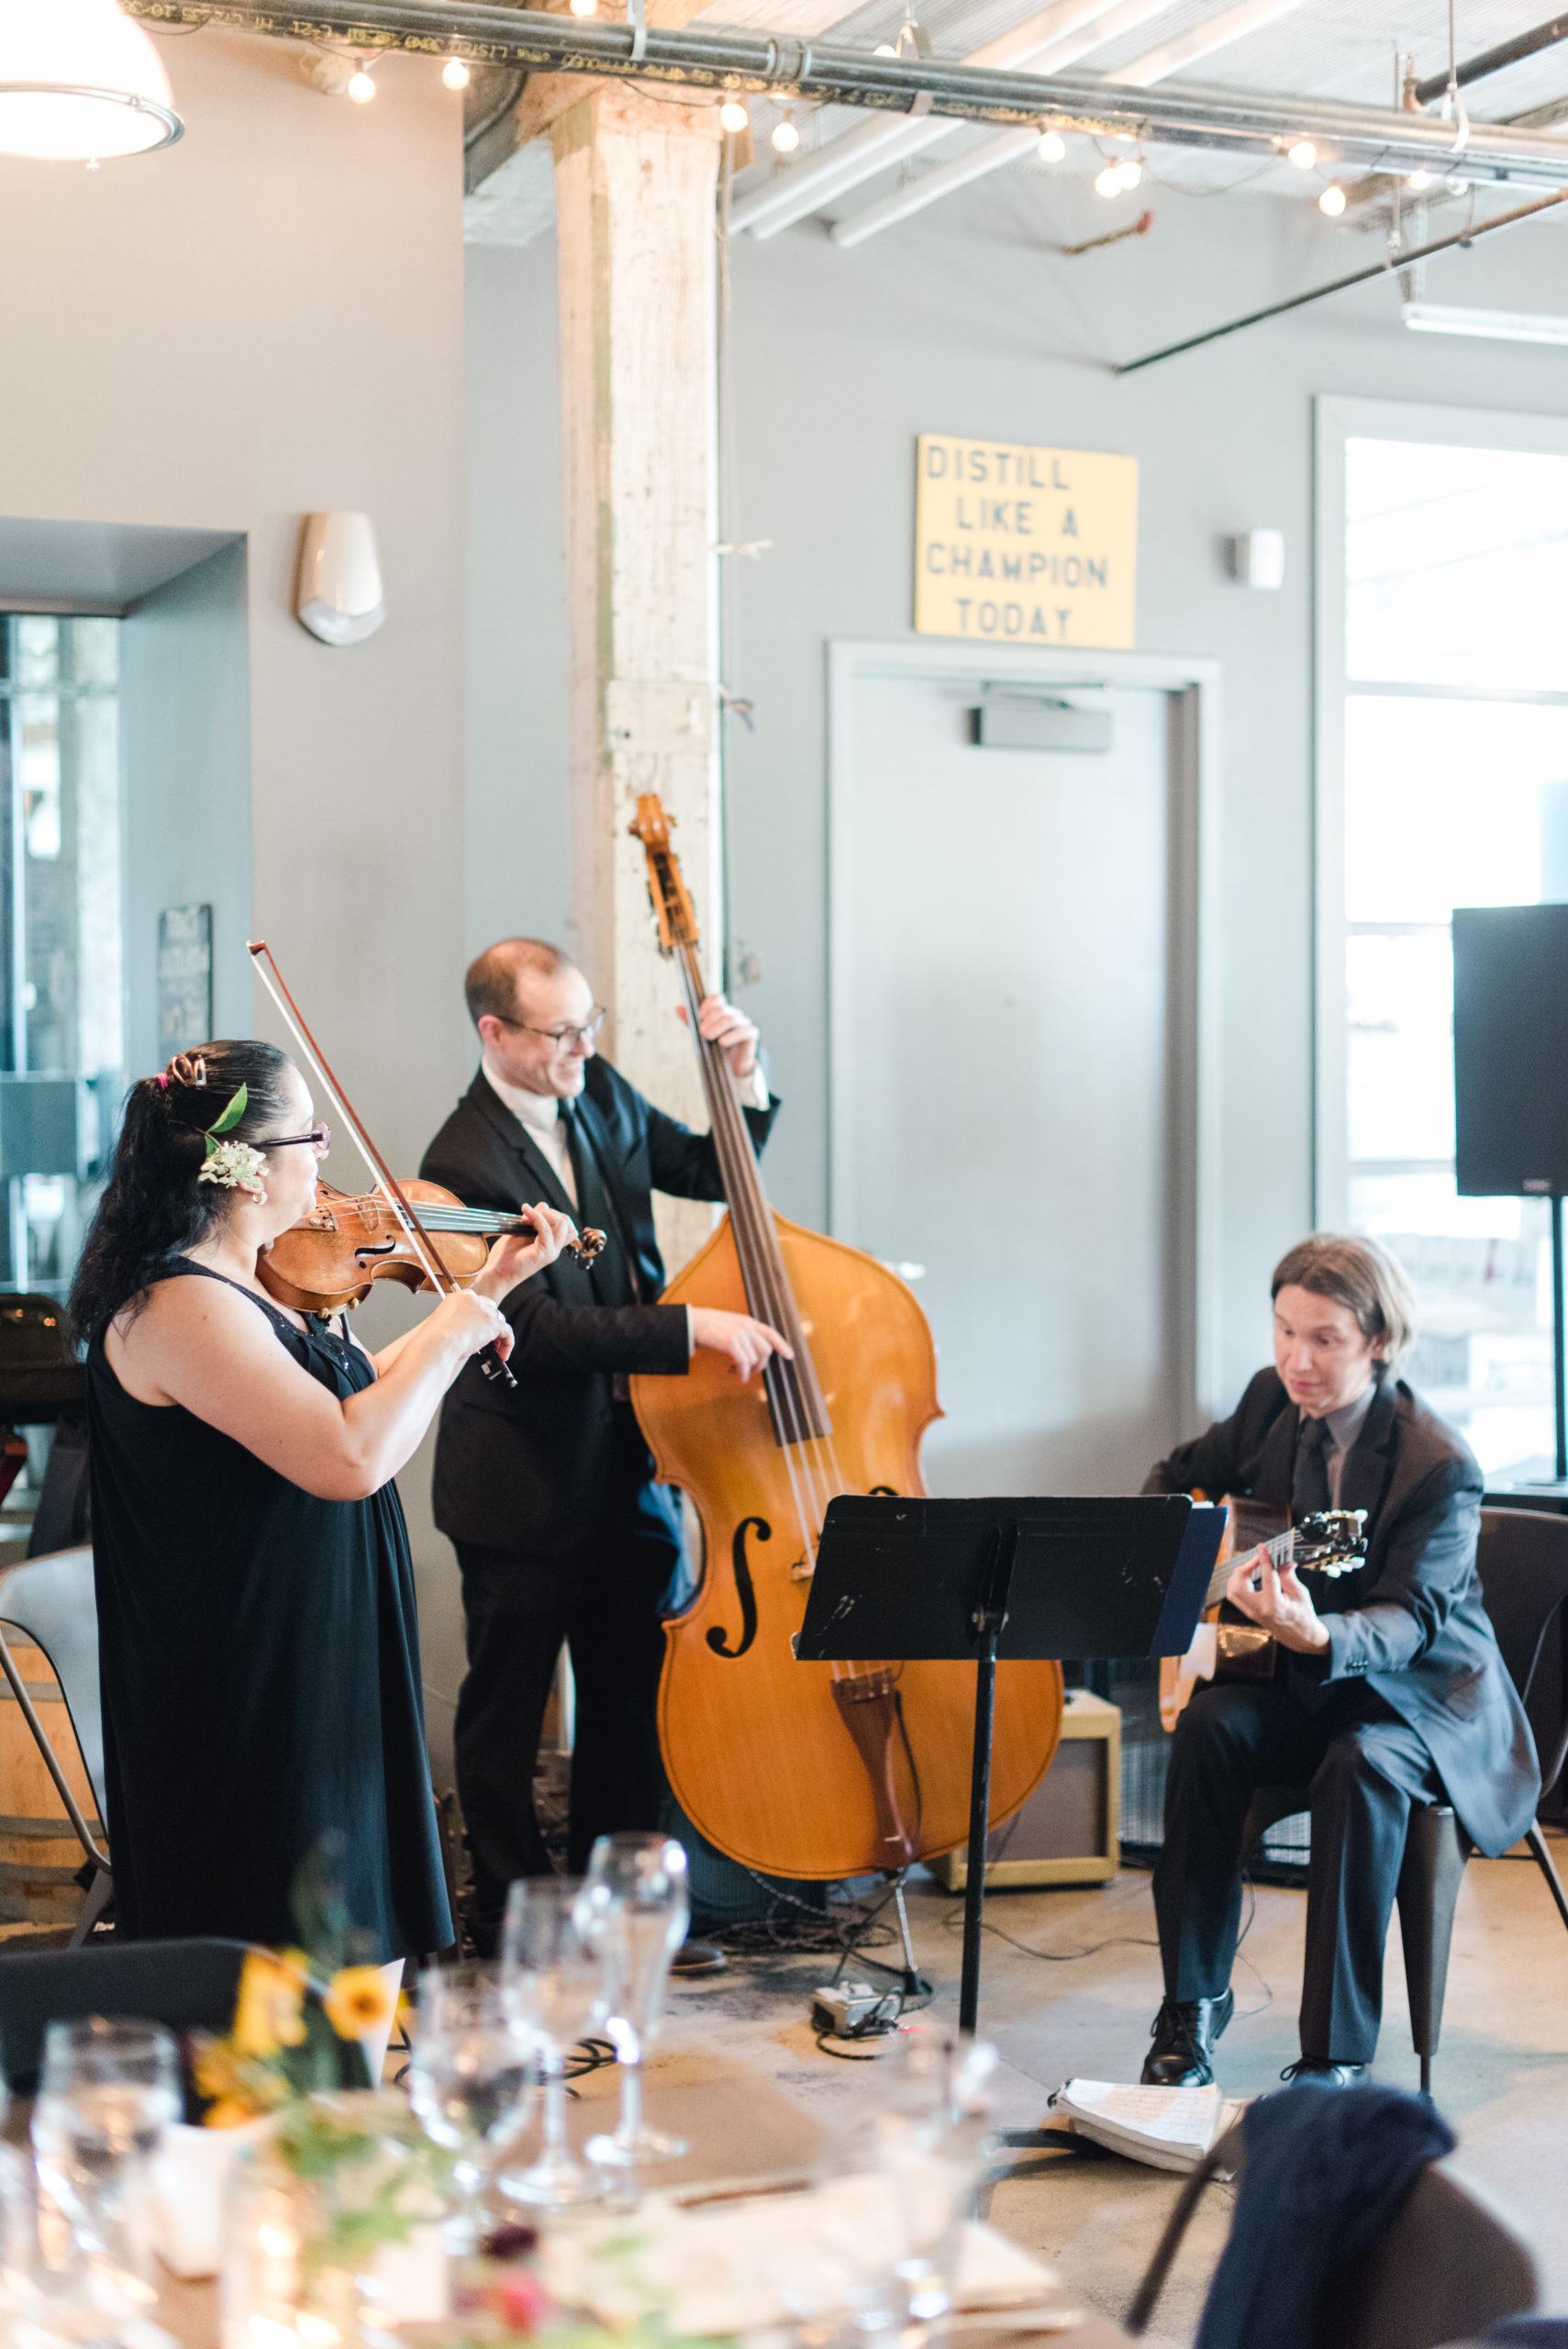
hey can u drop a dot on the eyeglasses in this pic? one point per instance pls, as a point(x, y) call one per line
point(319, 1138)
point(559, 1036)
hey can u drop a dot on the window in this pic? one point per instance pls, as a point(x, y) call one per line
point(62, 978)
point(1445, 718)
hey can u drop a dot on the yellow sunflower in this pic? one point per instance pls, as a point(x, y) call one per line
point(269, 2012)
point(358, 2001)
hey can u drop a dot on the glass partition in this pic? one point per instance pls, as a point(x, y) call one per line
point(61, 950)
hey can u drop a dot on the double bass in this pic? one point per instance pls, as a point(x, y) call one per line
point(813, 1771)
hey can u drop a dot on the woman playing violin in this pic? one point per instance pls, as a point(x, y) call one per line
point(259, 1642)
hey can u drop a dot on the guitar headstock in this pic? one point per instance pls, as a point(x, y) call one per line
point(673, 907)
point(1331, 1541)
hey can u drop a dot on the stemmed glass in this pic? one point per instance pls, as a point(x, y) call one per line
point(468, 2083)
point(107, 2092)
point(551, 1976)
point(635, 1908)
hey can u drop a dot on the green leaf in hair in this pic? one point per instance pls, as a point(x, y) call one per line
point(231, 1115)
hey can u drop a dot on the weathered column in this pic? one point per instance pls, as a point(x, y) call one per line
point(635, 187)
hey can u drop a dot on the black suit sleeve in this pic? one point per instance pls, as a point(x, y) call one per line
point(550, 1336)
point(1428, 1564)
point(1212, 1463)
point(684, 1165)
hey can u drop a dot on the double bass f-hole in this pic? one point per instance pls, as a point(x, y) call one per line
point(745, 1589)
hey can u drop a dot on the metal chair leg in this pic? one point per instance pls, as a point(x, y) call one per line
point(1436, 1849)
point(1548, 1867)
point(100, 1892)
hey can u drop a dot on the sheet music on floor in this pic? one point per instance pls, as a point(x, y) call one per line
point(1166, 2127)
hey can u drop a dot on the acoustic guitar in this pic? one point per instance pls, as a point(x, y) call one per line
point(1328, 1542)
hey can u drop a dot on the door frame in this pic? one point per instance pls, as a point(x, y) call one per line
point(1193, 685)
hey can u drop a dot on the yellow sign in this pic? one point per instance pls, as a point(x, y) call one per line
point(1025, 546)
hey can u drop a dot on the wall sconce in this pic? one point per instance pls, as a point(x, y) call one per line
point(1257, 558)
point(339, 598)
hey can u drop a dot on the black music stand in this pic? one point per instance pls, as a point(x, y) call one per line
point(943, 1581)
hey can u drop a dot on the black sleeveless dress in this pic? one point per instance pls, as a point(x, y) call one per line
point(258, 1651)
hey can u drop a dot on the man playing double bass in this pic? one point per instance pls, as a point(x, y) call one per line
point(546, 1490)
point(1386, 1686)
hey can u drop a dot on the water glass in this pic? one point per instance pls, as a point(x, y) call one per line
point(108, 2090)
point(469, 2083)
point(551, 1978)
point(637, 1908)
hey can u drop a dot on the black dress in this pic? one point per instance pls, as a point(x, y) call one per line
point(259, 1657)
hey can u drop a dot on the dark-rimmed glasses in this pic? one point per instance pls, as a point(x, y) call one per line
point(559, 1036)
point(319, 1138)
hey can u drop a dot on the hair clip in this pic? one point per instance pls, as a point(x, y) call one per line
point(189, 1067)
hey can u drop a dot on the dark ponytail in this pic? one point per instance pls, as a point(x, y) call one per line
point(154, 1206)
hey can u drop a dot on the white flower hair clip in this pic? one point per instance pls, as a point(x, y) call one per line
point(233, 1165)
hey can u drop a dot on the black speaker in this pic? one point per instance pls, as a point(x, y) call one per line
point(1510, 1050)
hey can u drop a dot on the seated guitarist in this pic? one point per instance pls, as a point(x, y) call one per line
point(1387, 1686)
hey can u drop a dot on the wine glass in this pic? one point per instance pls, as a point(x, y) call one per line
point(108, 2090)
point(551, 1976)
point(468, 2083)
point(637, 1908)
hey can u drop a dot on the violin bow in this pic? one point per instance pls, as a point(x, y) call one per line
point(381, 1174)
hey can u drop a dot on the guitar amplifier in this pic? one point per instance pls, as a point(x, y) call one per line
point(1067, 1832)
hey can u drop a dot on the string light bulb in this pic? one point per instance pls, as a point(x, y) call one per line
point(454, 73)
point(1108, 181)
point(786, 137)
point(1417, 180)
point(734, 116)
point(584, 7)
point(885, 48)
point(1332, 200)
point(1303, 154)
point(1456, 187)
point(1052, 146)
point(361, 87)
point(1129, 171)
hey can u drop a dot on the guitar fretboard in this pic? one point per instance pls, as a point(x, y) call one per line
point(1280, 1551)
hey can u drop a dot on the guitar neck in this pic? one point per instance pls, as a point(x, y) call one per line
point(1278, 1550)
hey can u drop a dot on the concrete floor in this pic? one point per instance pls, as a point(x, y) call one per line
point(1069, 1985)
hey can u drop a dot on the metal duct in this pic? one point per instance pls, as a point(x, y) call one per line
point(727, 59)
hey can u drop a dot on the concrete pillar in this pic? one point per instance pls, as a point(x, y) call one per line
point(635, 182)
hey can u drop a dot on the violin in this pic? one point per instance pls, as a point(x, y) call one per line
point(334, 1257)
point(390, 1195)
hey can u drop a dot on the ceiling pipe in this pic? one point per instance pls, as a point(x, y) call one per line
point(1493, 60)
point(729, 59)
point(1010, 146)
point(1392, 267)
point(870, 147)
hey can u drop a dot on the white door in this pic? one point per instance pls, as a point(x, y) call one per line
point(1004, 1025)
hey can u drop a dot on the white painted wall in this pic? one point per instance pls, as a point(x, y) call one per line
point(968, 321)
point(264, 321)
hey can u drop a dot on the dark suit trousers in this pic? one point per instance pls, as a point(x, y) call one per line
point(1364, 1768)
point(604, 1600)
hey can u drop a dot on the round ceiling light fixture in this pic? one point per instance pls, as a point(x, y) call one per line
point(80, 82)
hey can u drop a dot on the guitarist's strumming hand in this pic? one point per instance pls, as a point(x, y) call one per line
point(1275, 1599)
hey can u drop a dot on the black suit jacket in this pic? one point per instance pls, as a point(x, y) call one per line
point(526, 1469)
point(1411, 1620)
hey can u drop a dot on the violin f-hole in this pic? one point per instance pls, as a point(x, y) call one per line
point(717, 1638)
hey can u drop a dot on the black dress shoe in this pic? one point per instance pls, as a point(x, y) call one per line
point(1183, 2052)
point(1327, 2075)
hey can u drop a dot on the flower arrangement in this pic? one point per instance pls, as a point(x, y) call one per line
point(233, 1165)
point(289, 2037)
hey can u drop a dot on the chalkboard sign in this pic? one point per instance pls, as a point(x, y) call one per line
point(185, 978)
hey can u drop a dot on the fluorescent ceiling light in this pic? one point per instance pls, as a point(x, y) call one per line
point(1499, 326)
point(79, 81)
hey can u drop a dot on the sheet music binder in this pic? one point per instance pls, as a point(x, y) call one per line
point(913, 1580)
